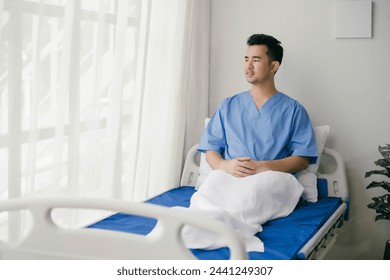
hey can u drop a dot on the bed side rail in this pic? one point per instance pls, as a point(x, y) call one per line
point(337, 180)
point(46, 240)
point(191, 168)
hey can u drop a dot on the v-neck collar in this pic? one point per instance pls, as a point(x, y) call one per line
point(265, 107)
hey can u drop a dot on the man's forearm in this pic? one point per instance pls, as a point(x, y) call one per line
point(214, 159)
point(290, 164)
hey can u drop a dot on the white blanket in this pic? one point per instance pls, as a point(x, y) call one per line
point(243, 203)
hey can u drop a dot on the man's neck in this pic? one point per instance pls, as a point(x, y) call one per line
point(261, 94)
point(263, 91)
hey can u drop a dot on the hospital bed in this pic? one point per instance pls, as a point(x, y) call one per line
point(309, 232)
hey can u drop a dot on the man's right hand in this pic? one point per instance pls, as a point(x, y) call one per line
point(238, 167)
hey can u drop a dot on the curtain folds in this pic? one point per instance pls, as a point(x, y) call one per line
point(169, 60)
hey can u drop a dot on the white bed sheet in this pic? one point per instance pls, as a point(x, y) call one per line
point(242, 203)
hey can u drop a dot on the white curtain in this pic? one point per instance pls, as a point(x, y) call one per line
point(94, 95)
point(177, 41)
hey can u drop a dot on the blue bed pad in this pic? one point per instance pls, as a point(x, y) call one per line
point(283, 238)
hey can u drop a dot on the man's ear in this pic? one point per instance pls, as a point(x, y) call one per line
point(275, 66)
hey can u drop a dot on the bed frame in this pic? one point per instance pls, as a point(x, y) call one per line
point(46, 240)
point(320, 244)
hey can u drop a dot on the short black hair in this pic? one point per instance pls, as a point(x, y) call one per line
point(275, 49)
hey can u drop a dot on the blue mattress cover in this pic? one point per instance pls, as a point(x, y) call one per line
point(283, 238)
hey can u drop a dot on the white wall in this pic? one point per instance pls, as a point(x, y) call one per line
point(341, 82)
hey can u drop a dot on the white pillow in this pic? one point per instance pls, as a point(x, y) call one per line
point(308, 177)
point(320, 133)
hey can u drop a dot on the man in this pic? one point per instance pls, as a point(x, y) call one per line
point(260, 129)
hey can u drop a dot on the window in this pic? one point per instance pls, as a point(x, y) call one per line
point(55, 86)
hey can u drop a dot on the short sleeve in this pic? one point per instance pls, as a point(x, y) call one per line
point(302, 138)
point(213, 137)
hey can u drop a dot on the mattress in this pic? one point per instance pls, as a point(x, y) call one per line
point(283, 238)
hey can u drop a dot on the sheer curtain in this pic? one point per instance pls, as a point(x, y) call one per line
point(94, 96)
point(176, 43)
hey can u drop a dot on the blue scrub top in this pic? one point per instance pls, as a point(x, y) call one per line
point(280, 128)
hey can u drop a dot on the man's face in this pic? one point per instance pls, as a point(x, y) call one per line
point(258, 66)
